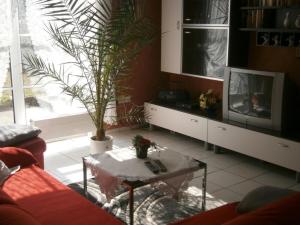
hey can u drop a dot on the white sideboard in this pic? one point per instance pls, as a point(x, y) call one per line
point(180, 122)
point(276, 150)
point(266, 147)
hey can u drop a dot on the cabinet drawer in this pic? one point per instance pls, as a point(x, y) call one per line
point(262, 146)
point(227, 136)
point(193, 126)
point(160, 116)
point(184, 123)
point(279, 151)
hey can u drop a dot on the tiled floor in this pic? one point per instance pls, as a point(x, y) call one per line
point(230, 175)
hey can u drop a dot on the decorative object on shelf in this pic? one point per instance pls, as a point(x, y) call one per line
point(208, 102)
point(278, 39)
point(270, 3)
point(265, 39)
point(141, 146)
point(259, 18)
point(275, 40)
point(291, 40)
point(262, 3)
point(297, 22)
point(286, 21)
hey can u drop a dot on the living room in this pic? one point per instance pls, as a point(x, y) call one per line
point(242, 160)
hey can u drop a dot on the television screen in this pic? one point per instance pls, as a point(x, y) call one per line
point(250, 94)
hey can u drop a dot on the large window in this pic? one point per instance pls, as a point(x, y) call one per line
point(22, 31)
point(6, 91)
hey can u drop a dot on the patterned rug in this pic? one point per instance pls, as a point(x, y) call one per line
point(151, 206)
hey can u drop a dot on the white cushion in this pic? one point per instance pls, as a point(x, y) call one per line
point(5, 172)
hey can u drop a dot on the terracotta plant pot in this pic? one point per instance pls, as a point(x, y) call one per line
point(141, 152)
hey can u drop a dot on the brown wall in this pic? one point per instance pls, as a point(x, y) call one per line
point(147, 79)
point(275, 59)
point(194, 85)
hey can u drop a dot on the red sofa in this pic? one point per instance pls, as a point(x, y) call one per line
point(23, 136)
point(43, 198)
point(282, 212)
point(36, 146)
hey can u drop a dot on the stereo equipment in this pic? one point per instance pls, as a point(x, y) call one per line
point(171, 97)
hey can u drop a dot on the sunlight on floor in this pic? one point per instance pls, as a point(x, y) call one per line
point(230, 175)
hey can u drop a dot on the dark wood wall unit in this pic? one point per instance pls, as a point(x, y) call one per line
point(239, 41)
point(148, 80)
point(274, 59)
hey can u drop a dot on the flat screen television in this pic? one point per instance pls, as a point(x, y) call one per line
point(253, 97)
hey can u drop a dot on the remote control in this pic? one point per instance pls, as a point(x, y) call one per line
point(161, 166)
point(151, 167)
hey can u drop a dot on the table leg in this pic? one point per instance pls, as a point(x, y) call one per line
point(131, 192)
point(84, 177)
point(204, 189)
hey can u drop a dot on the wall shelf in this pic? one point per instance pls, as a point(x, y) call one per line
point(269, 8)
point(270, 30)
point(276, 25)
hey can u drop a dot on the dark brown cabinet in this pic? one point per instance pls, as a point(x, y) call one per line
point(277, 22)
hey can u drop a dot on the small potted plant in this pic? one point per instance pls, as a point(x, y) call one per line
point(141, 145)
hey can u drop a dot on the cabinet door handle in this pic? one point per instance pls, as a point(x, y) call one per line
point(283, 145)
point(222, 128)
point(153, 109)
point(193, 120)
point(178, 25)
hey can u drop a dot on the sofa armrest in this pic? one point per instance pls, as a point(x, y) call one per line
point(12, 156)
point(37, 146)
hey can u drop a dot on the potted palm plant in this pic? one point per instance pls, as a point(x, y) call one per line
point(103, 37)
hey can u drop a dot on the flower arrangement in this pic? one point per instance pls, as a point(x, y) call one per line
point(141, 145)
point(207, 100)
point(209, 103)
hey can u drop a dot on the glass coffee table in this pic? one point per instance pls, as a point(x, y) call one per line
point(116, 168)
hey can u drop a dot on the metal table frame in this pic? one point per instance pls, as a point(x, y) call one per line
point(131, 185)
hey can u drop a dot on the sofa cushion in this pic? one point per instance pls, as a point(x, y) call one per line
point(281, 212)
point(13, 215)
point(13, 134)
point(215, 216)
point(260, 197)
point(12, 157)
point(51, 202)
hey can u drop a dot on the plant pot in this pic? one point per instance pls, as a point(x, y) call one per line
point(101, 146)
point(141, 152)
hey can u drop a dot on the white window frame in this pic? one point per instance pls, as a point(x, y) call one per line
point(52, 128)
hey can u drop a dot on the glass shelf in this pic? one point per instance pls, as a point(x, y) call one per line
point(269, 7)
point(279, 30)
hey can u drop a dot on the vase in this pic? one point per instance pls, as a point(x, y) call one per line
point(297, 22)
point(141, 152)
point(286, 21)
